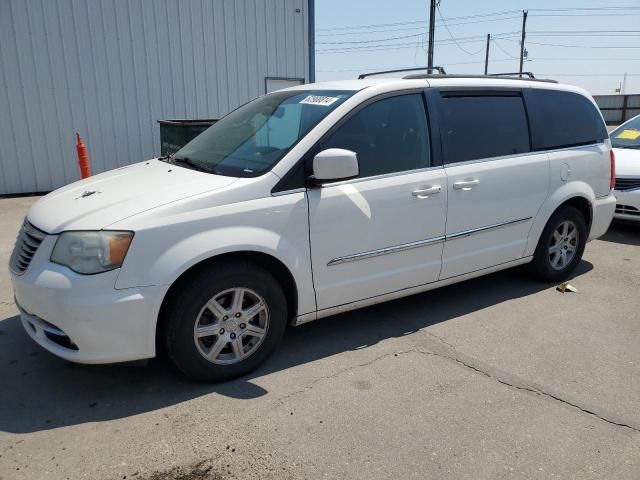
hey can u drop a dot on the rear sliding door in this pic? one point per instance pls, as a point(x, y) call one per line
point(496, 184)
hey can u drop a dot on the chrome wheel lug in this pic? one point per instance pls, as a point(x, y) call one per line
point(233, 336)
point(222, 331)
point(238, 315)
point(225, 318)
point(243, 326)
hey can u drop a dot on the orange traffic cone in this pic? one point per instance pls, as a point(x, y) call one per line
point(83, 157)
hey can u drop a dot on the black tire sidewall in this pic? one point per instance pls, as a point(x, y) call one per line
point(541, 261)
point(193, 295)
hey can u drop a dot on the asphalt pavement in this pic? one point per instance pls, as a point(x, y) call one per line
point(494, 378)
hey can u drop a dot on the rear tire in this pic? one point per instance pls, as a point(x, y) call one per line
point(224, 322)
point(561, 245)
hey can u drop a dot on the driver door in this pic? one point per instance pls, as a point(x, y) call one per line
point(384, 230)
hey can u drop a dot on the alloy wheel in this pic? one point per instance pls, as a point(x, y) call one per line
point(231, 326)
point(563, 245)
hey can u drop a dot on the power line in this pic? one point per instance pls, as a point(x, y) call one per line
point(371, 40)
point(422, 27)
point(375, 25)
point(467, 39)
point(418, 66)
point(578, 46)
point(372, 25)
point(495, 42)
point(373, 48)
point(353, 44)
point(573, 9)
point(626, 14)
point(543, 33)
point(492, 14)
point(509, 36)
point(580, 32)
point(452, 37)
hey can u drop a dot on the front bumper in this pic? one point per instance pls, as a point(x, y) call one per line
point(628, 205)
point(102, 324)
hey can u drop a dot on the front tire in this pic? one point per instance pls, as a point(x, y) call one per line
point(561, 245)
point(224, 322)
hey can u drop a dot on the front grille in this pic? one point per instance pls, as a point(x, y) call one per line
point(623, 184)
point(27, 243)
point(627, 210)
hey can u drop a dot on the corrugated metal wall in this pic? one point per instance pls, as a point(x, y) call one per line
point(617, 109)
point(111, 68)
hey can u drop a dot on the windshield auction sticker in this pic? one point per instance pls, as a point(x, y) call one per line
point(319, 100)
point(629, 134)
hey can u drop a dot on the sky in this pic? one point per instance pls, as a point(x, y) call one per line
point(586, 43)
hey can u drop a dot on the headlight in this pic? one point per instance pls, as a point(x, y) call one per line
point(91, 252)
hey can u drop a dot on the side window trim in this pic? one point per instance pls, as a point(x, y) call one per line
point(289, 180)
point(445, 92)
point(318, 146)
point(535, 134)
point(431, 98)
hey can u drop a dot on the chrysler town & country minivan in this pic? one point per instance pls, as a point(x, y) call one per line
point(307, 202)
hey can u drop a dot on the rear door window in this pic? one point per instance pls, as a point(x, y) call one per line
point(563, 119)
point(483, 126)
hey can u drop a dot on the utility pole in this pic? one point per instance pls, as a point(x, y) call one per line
point(432, 28)
point(524, 25)
point(486, 57)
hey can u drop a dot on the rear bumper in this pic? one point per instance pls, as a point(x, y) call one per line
point(603, 209)
point(85, 319)
point(628, 205)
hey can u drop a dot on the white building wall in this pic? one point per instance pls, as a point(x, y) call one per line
point(111, 68)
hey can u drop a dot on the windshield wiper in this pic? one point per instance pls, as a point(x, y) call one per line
point(187, 162)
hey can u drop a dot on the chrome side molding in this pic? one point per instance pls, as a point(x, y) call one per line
point(467, 233)
point(385, 251)
point(422, 243)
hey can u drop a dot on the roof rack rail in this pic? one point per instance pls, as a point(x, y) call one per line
point(495, 76)
point(513, 74)
point(440, 70)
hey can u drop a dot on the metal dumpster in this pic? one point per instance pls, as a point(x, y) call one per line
point(174, 134)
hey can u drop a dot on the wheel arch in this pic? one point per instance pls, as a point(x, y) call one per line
point(583, 205)
point(259, 259)
point(574, 194)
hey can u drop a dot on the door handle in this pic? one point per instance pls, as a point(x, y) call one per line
point(466, 184)
point(422, 193)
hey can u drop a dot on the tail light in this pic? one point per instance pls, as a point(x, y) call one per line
point(612, 180)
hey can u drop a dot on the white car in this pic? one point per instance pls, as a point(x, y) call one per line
point(626, 144)
point(311, 201)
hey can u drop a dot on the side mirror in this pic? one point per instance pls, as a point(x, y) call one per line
point(334, 164)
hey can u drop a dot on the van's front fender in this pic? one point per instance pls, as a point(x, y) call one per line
point(275, 226)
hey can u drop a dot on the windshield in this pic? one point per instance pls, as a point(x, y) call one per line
point(252, 139)
point(627, 135)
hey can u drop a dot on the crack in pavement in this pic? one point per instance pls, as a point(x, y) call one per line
point(513, 382)
point(280, 401)
point(452, 354)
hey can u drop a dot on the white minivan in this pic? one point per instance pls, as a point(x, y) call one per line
point(307, 202)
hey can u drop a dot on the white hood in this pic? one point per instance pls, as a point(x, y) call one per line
point(627, 162)
point(101, 200)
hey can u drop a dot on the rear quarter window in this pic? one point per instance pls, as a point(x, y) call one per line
point(563, 119)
